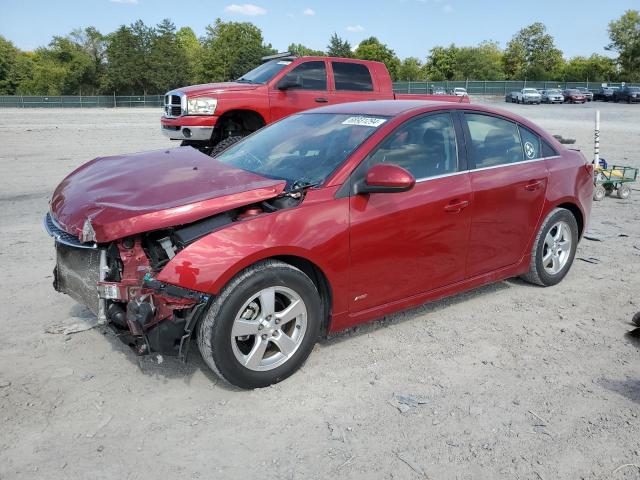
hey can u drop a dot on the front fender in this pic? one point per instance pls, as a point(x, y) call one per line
point(317, 231)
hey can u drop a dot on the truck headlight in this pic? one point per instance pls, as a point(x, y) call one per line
point(201, 106)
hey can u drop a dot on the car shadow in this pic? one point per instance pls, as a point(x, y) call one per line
point(415, 312)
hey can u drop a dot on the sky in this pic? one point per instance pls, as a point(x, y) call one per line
point(410, 27)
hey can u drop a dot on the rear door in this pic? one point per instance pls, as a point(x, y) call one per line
point(402, 244)
point(313, 90)
point(353, 82)
point(509, 180)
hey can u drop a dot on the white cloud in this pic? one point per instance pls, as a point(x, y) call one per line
point(248, 9)
point(355, 28)
point(447, 9)
point(130, 2)
point(309, 12)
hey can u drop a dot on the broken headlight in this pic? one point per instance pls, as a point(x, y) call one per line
point(87, 235)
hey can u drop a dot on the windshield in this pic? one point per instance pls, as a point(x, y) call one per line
point(530, 90)
point(264, 72)
point(633, 89)
point(303, 149)
point(574, 92)
point(555, 92)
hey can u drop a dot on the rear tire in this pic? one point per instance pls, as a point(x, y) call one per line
point(247, 337)
point(553, 249)
point(624, 191)
point(221, 146)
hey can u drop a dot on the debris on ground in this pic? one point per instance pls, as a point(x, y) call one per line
point(593, 260)
point(565, 141)
point(408, 460)
point(406, 402)
point(4, 384)
point(73, 325)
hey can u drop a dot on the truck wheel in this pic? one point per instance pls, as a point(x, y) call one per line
point(553, 249)
point(624, 191)
point(224, 144)
point(262, 326)
point(599, 193)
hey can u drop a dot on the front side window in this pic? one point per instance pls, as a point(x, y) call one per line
point(302, 149)
point(494, 141)
point(352, 76)
point(308, 76)
point(425, 146)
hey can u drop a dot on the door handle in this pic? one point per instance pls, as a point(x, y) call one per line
point(321, 100)
point(533, 185)
point(456, 206)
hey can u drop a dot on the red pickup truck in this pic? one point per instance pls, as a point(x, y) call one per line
point(213, 116)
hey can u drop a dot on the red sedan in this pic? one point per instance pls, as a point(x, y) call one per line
point(316, 223)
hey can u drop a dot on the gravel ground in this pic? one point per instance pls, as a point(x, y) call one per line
point(507, 381)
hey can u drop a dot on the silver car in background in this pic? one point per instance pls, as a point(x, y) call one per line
point(552, 95)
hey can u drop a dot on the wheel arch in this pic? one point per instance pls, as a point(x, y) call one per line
point(250, 120)
point(577, 213)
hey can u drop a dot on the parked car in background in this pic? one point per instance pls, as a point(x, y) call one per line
point(528, 95)
point(213, 116)
point(587, 93)
point(605, 94)
point(627, 94)
point(460, 92)
point(510, 97)
point(316, 223)
point(573, 95)
point(552, 95)
point(438, 91)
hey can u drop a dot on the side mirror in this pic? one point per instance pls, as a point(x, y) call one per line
point(287, 83)
point(385, 178)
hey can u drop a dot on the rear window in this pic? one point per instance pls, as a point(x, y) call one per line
point(354, 77)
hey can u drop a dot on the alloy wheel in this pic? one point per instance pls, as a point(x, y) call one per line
point(557, 248)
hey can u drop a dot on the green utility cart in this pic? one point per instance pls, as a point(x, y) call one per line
point(615, 178)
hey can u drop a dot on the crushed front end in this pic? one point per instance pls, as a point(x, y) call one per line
point(116, 282)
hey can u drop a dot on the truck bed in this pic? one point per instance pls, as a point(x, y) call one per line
point(432, 98)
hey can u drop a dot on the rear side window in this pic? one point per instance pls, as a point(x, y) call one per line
point(530, 144)
point(425, 146)
point(352, 76)
point(494, 141)
point(548, 150)
point(309, 75)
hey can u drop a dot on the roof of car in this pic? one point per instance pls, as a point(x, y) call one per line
point(387, 108)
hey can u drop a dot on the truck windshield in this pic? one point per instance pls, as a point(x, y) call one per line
point(302, 149)
point(264, 72)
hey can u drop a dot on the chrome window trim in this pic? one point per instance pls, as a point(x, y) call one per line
point(420, 180)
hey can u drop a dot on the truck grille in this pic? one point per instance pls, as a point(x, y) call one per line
point(173, 105)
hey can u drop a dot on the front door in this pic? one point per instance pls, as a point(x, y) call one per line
point(308, 89)
point(402, 244)
point(509, 182)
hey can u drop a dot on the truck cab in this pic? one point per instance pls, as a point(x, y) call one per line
point(213, 116)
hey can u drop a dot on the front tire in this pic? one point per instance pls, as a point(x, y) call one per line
point(262, 326)
point(221, 146)
point(553, 249)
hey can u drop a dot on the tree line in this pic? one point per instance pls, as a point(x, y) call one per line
point(143, 59)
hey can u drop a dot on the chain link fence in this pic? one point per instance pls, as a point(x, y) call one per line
point(79, 101)
point(474, 87)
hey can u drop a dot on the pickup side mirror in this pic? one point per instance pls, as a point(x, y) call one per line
point(385, 178)
point(288, 82)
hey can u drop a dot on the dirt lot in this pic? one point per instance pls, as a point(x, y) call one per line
point(517, 381)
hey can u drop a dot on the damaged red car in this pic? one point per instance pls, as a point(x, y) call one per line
point(316, 223)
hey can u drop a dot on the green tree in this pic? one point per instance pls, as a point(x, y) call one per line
point(532, 54)
point(372, 49)
point(302, 51)
point(128, 52)
point(410, 69)
point(596, 68)
point(483, 62)
point(441, 63)
point(625, 39)
point(168, 58)
point(190, 45)
point(231, 49)
point(338, 47)
point(8, 54)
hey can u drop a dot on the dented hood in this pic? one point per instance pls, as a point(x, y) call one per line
point(128, 194)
